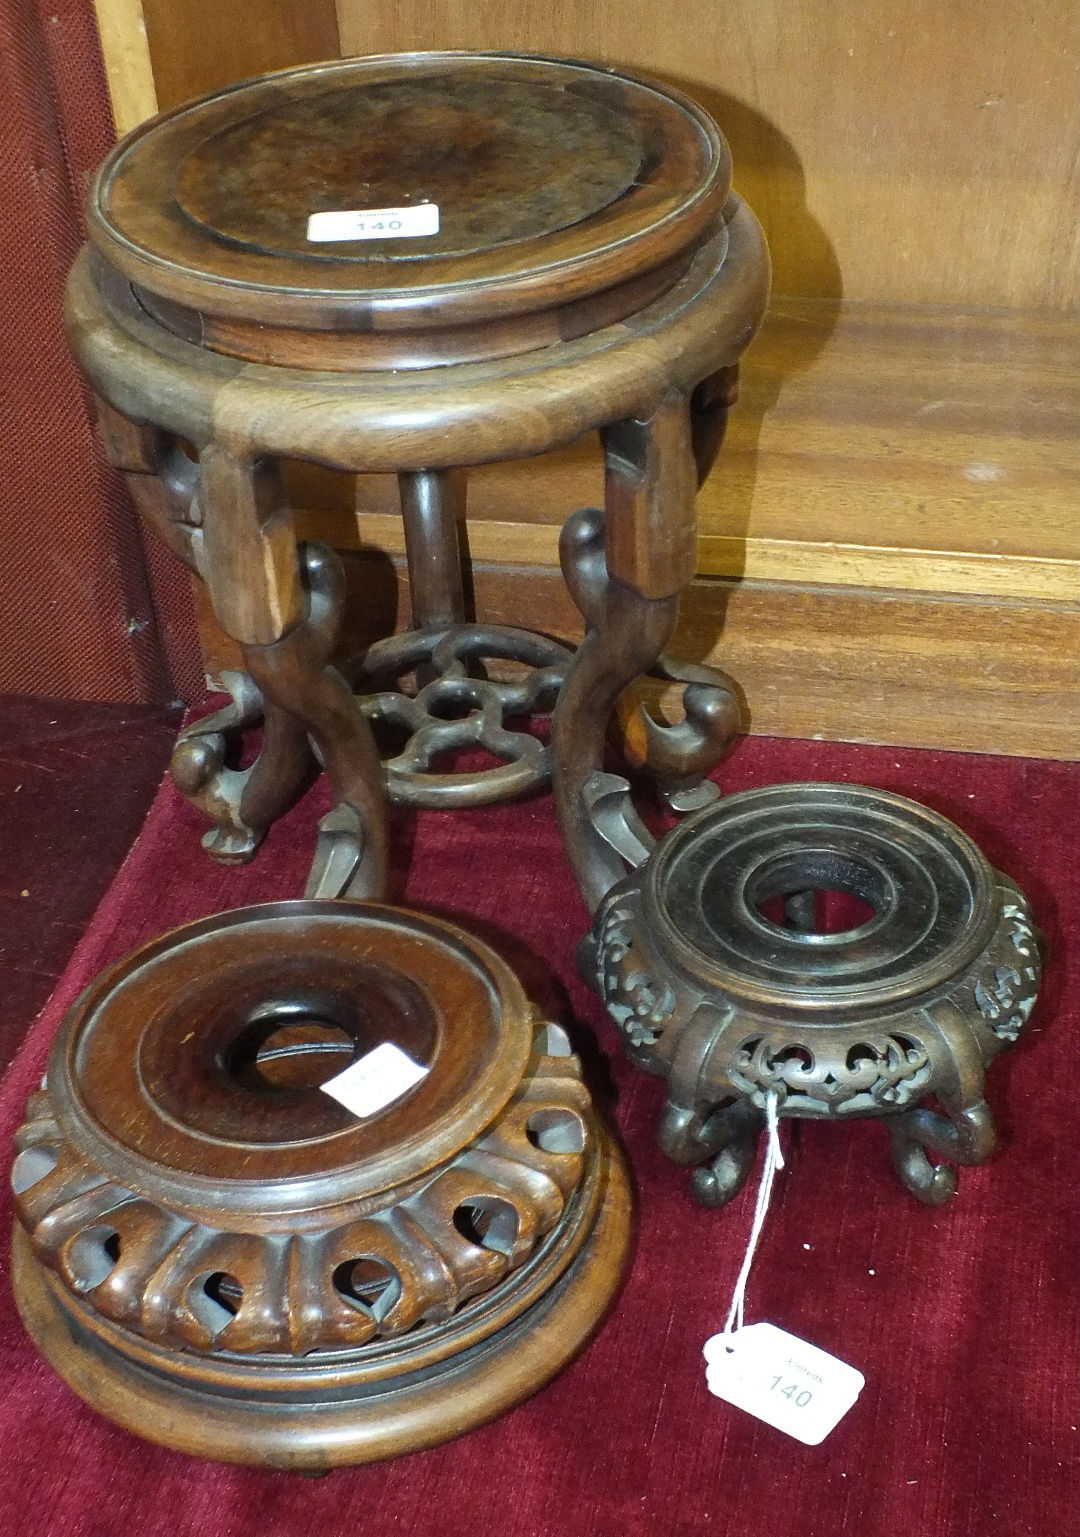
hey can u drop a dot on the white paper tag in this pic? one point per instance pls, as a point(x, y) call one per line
point(374, 223)
point(374, 1082)
point(782, 1380)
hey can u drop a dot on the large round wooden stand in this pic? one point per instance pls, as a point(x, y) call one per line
point(220, 1256)
point(505, 253)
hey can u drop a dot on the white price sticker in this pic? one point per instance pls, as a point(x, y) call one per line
point(782, 1380)
point(380, 1077)
point(374, 223)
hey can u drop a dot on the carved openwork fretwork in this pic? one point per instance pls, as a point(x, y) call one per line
point(458, 707)
point(211, 1221)
point(731, 1007)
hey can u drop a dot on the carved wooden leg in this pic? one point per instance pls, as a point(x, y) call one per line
point(287, 627)
point(723, 1143)
point(241, 803)
point(295, 673)
point(964, 1134)
point(626, 633)
point(432, 506)
point(164, 484)
point(721, 1139)
point(626, 569)
point(653, 470)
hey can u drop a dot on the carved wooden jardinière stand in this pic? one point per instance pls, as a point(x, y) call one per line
point(589, 268)
point(731, 1000)
point(221, 1257)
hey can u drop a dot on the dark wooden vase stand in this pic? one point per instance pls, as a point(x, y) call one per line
point(591, 270)
point(894, 1015)
point(221, 1257)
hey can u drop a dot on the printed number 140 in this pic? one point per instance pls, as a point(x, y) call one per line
point(799, 1399)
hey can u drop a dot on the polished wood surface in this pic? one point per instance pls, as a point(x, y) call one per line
point(889, 163)
point(176, 225)
point(198, 46)
point(540, 204)
point(877, 446)
point(295, 1284)
point(841, 664)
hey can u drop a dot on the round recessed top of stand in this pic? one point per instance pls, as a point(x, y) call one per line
point(196, 1063)
point(503, 186)
point(498, 160)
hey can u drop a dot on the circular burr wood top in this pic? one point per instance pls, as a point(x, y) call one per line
point(554, 181)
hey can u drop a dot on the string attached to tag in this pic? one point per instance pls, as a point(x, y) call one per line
point(763, 1370)
point(774, 1160)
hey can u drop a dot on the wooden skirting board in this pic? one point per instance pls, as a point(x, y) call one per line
point(838, 664)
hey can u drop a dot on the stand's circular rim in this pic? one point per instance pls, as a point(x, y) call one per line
point(821, 997)
point(305, 1195)
point(607, 249)
point(384, 421)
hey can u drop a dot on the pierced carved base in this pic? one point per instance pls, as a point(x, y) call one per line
point(220, 1257)
point(458, 706)
point(712, 965)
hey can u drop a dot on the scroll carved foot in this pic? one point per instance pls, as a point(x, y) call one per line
point(241, 803)
point(296, 677)
point(968, 1139)
point(722, 1142)
point(681, 757)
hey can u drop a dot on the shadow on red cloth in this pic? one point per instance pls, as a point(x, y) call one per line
point(962, 1320)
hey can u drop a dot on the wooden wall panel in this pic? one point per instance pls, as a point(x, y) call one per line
point(921, 152)
point(200, 45)
point(881, 446)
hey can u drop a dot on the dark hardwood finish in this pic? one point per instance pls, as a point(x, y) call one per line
point(554, 181)
point(587, 217)
point(726, 972)
point(225, 1259)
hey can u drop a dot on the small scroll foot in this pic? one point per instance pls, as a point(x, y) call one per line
point(723, 1142)
point(681, 757)
point(295, 674)
point(967, 1140)
point(241, 803)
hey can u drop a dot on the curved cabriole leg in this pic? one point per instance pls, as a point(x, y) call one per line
point(723, 1143)
point(626, 632)
point(969, 1139)
point(294, 672)
point(653, 470)
point(964, 1134)
point(164, 482)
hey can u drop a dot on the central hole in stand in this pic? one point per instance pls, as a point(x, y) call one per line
point(817, 892)
point(817, 911)
point(289, 1048)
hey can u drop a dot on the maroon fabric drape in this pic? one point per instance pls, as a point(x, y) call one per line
point(79, 615)
point(963, 1320)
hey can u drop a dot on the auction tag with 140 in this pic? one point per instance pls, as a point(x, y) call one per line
point(782, 1380)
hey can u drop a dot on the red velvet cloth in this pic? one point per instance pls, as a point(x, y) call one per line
point(963, 1319)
